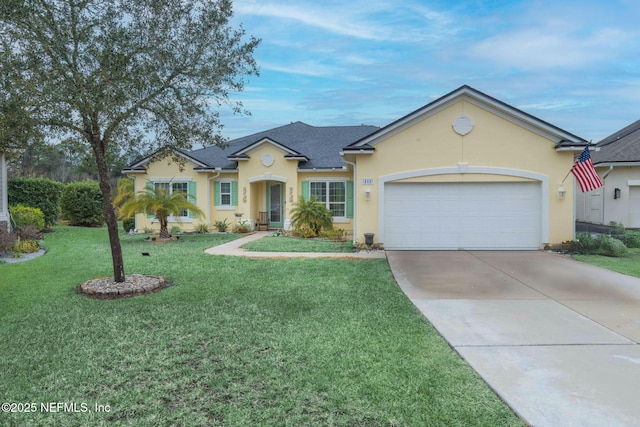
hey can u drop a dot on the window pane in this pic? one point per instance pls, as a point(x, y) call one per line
point(337, 209)
point(319, 190)
point(163, 185)
point(181, 186)
point(337, 192)
point(225, 193)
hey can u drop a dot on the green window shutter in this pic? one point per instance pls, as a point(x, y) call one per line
point(150, 187)
point(192, 196)
point(216, 193)
point(349, 199)
point(234, 193)
point(305, 190)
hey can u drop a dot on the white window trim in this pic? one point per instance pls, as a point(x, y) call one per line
point(171, 181)
point(230, 206)
point(337, 219)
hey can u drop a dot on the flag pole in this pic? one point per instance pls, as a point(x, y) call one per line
point(566, 176)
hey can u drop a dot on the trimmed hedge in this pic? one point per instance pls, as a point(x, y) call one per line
point(81, 204)
point(40, 193)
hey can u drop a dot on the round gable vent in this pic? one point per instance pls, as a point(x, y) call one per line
point(463, 124)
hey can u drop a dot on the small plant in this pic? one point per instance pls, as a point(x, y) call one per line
point(201, 228)
point(7, 240)
point(336, 234)
point(25, 246)
point(242, 226)
point(29, 233)
point(306, 232)
point(175, 229)
point(148, 230)
point(222, 226)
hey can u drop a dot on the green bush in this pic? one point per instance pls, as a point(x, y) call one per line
point(81, 204)
point(605, 245)
point(43, 194)
point(632, 239)
point(128, 224)
point(26, 216)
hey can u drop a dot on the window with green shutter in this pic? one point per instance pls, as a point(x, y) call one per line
point(225, 193)
point(337, 196)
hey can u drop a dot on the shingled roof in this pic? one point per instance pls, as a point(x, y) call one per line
point(320, 146)
point(622, 146)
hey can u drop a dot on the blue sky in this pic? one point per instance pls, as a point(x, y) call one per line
point(575, 64)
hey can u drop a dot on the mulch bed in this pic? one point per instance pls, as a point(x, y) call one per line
point(134, 285)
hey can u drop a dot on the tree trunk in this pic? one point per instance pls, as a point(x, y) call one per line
point(164, 229)
point(109, 213)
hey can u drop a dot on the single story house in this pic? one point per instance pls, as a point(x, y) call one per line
point(4, 202)
point(617, 161)
point(465, 171)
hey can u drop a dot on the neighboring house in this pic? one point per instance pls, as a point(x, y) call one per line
point(465, 171)
point(617, 161)
point(4, 202)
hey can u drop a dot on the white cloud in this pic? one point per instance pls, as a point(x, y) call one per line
point(366, 20)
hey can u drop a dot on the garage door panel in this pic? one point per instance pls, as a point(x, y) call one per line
point(462, 215)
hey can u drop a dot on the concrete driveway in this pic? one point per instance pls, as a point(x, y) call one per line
point(555, 338)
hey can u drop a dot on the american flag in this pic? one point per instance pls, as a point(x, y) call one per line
point(585, 173)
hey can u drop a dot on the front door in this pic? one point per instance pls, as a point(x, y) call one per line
point(275, 204)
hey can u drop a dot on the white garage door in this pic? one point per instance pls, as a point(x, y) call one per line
point(455, 216)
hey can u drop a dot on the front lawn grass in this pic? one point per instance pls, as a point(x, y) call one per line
point(293, 244)
point(233, 342)
point(628, 264)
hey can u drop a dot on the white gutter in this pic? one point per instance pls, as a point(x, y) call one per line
point(355, 199)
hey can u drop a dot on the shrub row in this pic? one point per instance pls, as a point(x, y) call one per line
point(41, 202)
point(43, 194)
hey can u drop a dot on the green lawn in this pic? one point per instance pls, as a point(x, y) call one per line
point(629, 264)
point(290, 244)
point(233, 342)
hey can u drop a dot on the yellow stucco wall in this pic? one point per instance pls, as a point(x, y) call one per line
point(432, 145)
point(253, 177)
point(166, 171)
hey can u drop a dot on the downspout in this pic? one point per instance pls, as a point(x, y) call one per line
point(355, 199)
point(209, 192)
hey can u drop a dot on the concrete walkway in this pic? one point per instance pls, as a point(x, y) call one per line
point(555, 338)
point(233, 249)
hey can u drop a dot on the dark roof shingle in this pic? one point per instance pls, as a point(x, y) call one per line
point(321, 145)
point(621, 146)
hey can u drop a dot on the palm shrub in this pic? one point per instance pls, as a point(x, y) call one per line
point(311, 214)
point(159, 203)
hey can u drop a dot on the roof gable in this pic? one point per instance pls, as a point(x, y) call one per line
point(466, 93)
point(243, 153)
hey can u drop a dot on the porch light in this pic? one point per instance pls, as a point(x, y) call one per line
point(561, 193)
point(616, 193)
point(367, 194)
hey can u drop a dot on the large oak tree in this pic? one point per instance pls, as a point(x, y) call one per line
point(149, 74)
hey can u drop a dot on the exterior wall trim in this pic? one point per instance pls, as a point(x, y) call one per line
point(465, 169)
point(267, 177)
